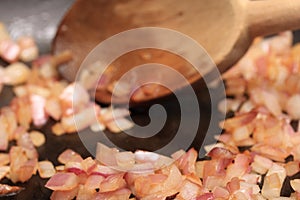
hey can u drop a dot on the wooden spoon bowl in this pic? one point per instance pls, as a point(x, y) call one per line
point(224, 28)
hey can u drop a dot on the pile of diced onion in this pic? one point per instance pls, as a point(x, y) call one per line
point(255, 154)
point(41, 95)
point(258, 150)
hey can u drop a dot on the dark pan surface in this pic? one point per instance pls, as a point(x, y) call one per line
point(40, 19)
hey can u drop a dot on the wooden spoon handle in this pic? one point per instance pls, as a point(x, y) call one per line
point(272, 16)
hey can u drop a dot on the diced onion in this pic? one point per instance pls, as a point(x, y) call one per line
point(46, 169)
point(63, 182)
point(37, 138)
point(16, 73)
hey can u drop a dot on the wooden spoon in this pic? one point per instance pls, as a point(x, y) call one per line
point(224, 28)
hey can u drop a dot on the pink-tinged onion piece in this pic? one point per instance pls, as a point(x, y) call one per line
point(37, 138)
point(173, 180)
point(79, 121)
point(119, 125)
point(53, 108)
point(28, 49)
point(295, 184)
point(187, 162)
point(125, 159)
point(39, 115)
point(9, 50)
point(64, 194)
point(74, 98)
point(106, 155)
point(11, 119)
point(93, 182)
point(25, 141)
point(240, 120)
point(46, 169)
point(4, 159)
point(261, 164)
point(206, 196)
point(239, 167)
point(112, 183)
point(74, 167)
point(63, 181)
point(152, 186)
point(21, 106)
point(103, 171)
point(271, 152)
point(16, 73)
point(18, 158)
point(3, 133)
point(61, 58)
point(27, 170)
point(69, 156)
point(189, 190)
point(292, 168)
point(292, 106)
point(58, 129)
point(85, 193)
point(273, 182)
point(157, 161)
point(88, 165)
point(220, 192)
point(111, 114)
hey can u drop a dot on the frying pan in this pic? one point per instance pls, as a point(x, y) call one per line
point(40, 19)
